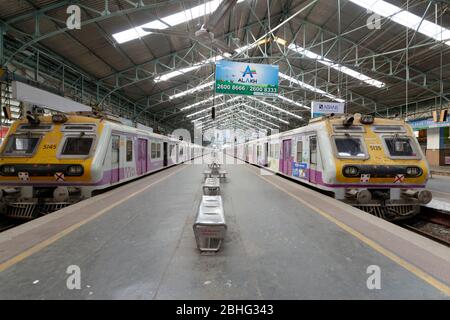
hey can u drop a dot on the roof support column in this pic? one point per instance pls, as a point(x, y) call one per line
point(2, 46)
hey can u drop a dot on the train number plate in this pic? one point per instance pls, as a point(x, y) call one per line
point(49, 146)
point(375, 147)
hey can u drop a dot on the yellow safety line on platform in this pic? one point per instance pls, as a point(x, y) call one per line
point(408, 266)
point(36, 248)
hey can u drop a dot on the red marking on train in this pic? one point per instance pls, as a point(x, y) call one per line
point(59, 176)
point(399, 178)
point(365, 178)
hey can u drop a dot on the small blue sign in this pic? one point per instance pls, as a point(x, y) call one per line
point(427, 124)
point(299, 169)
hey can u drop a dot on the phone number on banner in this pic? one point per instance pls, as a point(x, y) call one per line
point(247, 90)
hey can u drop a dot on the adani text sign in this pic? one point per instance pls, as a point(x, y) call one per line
point(246, 78)
point(319, 108)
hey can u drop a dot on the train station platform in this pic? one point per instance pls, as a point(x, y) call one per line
point(284, 241)
point(439, 185)
point(440, 171)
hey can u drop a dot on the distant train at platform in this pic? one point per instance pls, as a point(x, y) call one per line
point(374, 164)
point(49, 162)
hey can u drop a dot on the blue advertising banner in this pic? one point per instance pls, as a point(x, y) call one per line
point(427, 124)
point(299, 169)
point(246, 78)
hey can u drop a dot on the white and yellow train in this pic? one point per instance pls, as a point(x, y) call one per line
point(372, 163)
point(54, 161)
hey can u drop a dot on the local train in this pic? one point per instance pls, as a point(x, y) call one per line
point(374, 164)
point(49, 162)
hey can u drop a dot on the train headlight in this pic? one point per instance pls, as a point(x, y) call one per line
point(7, 169)
point(367, 119)
point(413, 171)
point(351, 171)
point(59, 118)
point(75, 170)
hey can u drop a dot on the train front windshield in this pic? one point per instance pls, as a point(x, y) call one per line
point(400, 147)
point(77, 146)
point(348, 146)
point(21, 145)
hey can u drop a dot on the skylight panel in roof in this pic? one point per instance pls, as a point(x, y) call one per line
point(309, 87)
point(189, 91)
point(168, 21)
point(406, 19)
point(185, 70)
point(336, 66)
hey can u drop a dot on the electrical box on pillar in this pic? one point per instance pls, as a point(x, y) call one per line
point(7, 112)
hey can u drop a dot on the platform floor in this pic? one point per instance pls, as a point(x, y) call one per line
point(440, 188)
point(276, 248)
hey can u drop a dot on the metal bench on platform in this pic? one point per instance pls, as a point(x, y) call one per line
point(207, 173)
point(222, 174)
point(210, 227)
point(211, 185)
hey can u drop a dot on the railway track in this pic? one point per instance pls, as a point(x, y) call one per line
point(433, 224)
point(430, 223)
point(9, 222)
point(4, 228)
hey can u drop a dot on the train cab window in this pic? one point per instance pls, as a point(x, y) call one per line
point(299, 151)
point(115, 149)
point(77, 146)
point(129, 150)
point(350, 147)
point(400, 147)
point(313, 150)
point(18, 145)
point(353, 128)
point(389, 128)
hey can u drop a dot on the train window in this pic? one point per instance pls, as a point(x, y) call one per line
point(115, 149)
point(129, 150)
point(156, 150)
point(389, 128)
point(355, 128)
point(400, 147)
point(313, 150)
point(40, 127)
point(78, 127)
point(299, 151)
point(350, 147)
point(77, 146)
point(21, 145)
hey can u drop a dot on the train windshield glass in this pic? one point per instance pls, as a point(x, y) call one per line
point(21, 145)
point(77, 146)
point(400, 147)
point(348, 146)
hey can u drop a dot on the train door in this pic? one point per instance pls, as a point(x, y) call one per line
point(142, 156)
point(165, 155)
point(266, 154)
point(286, 157)
point(115, 158)
point(313, 159)
point(176, 153)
